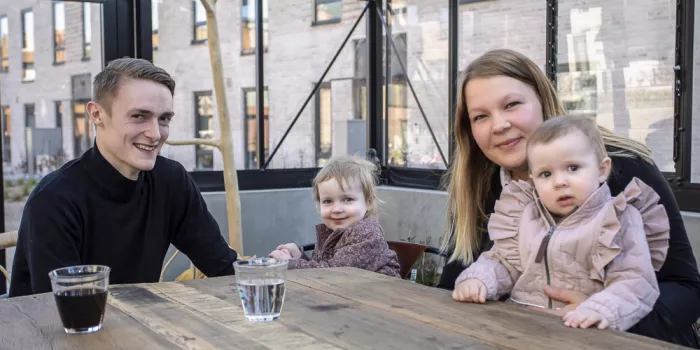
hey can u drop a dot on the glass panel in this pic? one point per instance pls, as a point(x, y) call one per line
point(419, 52)
point(59, 22)
point(28, 71)
point(200, 21)
point(44, 104)
point(328, 10)
point(154, 23)
point(619, 69)
point(248, 26)
point(204, 110)
point(87, 30)
point(4, 35)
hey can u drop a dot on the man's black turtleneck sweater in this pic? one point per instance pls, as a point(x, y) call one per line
point(88, 213)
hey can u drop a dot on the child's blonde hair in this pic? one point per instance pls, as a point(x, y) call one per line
point(345, 169)
point(556, 128)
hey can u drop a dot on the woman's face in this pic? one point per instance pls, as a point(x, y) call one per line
point(503, 113)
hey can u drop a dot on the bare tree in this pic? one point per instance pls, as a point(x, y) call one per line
point(224, 144)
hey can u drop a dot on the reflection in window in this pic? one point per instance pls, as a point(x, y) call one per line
point(248, 26)
point(29, 116)
point(324, 124)
point(6, 133)
point(154, 23)
point(83, 132)
point(619, 69)
point(28, 72)
point(59, 113)
point(200, 22)
point(59, 32)
point(250, 127)
point(87, 32)
point(204, 128)
point(4, 56)
point(328, 11)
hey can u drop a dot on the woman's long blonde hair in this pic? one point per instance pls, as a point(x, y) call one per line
point(470, 174)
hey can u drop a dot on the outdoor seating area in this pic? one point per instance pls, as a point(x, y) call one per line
point(349, 174)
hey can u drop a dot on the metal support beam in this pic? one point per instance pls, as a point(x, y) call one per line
point(552, 40)
point(683, 92)
point(453, 71)
point(260, 82)
point(375, 118)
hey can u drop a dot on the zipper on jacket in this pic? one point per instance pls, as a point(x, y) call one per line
point(542, 253)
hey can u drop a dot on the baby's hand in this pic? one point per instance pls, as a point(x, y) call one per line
point(471, 291)
point(281, 254)
point(584, 318)
point(292, 249)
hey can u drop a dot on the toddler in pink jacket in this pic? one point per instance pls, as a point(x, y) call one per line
point(568, 232)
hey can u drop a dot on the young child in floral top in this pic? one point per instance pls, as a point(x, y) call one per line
point(568, 232)
point(350, 235)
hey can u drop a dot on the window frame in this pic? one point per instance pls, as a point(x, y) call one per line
point(6, 46)
point(248, 51)
point(23, 48)
point(318, 154)
point(196, 25)
point(6, 120)
point(253, 164)
point(56, 49)
point(316, 22)
point(87, 45)
point(199, 149)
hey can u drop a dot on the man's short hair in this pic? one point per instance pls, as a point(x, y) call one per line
point(107, 81)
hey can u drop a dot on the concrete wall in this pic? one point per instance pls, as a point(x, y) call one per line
point(272, 217)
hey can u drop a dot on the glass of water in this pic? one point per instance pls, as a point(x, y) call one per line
point(261, 287)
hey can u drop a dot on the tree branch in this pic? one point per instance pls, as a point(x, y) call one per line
point(209, 5)
point(201, 142)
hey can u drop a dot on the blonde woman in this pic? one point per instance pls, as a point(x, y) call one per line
point(502, 98)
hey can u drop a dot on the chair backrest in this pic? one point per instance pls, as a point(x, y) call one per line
point(7, 240)
point(407, 253)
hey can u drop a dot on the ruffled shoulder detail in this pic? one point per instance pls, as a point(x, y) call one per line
point(654, 216)
point(607, 248)
point(505, 220)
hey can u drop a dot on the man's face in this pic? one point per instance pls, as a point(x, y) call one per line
point(131, 136)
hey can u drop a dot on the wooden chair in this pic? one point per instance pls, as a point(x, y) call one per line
point(7, 240)
point(408, 254)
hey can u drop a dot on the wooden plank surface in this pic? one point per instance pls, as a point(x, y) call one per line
point(33, 323)
point(340, 308)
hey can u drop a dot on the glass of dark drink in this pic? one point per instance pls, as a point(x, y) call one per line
point(81, 296)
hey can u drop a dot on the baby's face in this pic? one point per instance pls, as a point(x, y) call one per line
point(566, 172)
point(341, 207)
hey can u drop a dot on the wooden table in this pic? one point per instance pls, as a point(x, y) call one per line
point(340, 308)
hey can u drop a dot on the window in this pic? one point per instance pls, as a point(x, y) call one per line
point(250, 127)
point(59, 113)
point(6, 133)
point(59, 33)
point(327, 11)
point(200, 22)
point(248, 26)
point(4, 56)
point(29, 116)
point(87, 32)
point(82, 130)
point(28, 72)
point(462, 2)
point(399, 6)
point(324, 124)
point(204, 128)
point(154, 23)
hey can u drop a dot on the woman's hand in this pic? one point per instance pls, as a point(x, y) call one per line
point(471, 291)
point(292, 249)
point(571, 297)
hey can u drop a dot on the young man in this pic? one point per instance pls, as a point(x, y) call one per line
point(119, 204)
